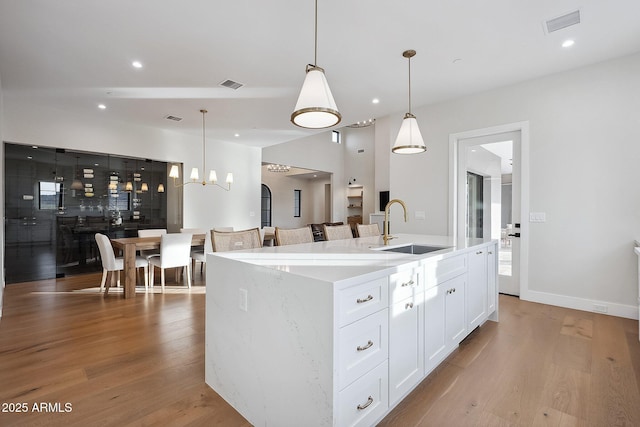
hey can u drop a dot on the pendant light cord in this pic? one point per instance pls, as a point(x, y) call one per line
point(315, 48)
point(409, 85)
point(203, 145)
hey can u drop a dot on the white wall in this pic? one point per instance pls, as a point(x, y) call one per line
point(319, 153)
point(361, 165)
point(203, 206)
point(584, 153)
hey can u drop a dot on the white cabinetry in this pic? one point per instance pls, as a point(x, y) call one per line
point(444, 307)
point(492, 279)
point(406, 323)
point(444, 320)
point(363, 352)
point(347, 340)
point(477, 295)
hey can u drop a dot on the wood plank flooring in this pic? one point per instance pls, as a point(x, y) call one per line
point(141, 362)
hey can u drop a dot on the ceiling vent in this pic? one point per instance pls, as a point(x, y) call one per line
point(564, 21)
point(174, 118)
point(231, 84)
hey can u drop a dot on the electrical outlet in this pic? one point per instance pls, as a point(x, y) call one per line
point(242, 300)
point(600, 308)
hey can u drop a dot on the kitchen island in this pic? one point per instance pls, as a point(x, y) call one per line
point(337, 333)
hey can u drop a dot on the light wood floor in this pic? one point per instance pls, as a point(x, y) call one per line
point(141, 362)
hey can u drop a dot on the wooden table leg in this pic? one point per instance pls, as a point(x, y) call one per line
point(129, 270)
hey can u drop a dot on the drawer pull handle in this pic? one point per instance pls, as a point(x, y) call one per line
point(478, 253)
point(360, 301)
point(366, 405)
point(408, 305)
point(361, 348)
point(409, 283)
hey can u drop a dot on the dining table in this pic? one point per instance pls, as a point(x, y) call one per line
point(130, 245)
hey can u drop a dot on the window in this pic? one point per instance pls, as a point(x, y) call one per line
point(266, 206)
point(49, 192)
point(335, 137)
point(296, 203)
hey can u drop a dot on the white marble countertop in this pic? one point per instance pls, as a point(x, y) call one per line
point(343, 260)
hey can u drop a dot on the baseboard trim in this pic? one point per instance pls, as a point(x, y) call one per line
point(613, 309)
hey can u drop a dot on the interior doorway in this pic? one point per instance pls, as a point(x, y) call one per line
point(487, 196)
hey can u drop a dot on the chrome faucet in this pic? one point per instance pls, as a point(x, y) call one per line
point(386, 236)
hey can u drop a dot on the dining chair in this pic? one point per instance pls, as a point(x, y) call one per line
point(368, 230)
point(222, 241)
point(151, 232)
point(175, 250)
point(267, 234)
point(111, 263)
point(199, 253)
point(337, 232)
point(293, 236)
point(318, 232)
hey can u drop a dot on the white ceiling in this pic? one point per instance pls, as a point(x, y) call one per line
point(74, 54)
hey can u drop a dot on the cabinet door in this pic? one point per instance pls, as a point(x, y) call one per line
point(435, 341)
point(406, 347)
point(492, 276)
point(455, 324)
point(477, 298)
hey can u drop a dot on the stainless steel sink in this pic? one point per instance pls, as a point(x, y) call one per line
point(414, 249)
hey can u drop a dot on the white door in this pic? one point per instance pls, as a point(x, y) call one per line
point(478, 155)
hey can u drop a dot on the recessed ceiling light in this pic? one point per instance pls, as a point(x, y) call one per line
point(236, 135)
point(29, 157)
point(136, 64)
point(568, 43)
point(35, 147)
point(375, 101)
point(102, 106)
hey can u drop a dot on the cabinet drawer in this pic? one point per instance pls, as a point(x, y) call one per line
point(366, 400)
point(361, 346)
point(444, 269)
point(403, 285)
point(362, 300)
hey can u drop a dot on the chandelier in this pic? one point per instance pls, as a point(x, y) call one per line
point(278, 168)
point(195, 175)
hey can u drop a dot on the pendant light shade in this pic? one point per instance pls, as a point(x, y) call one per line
point(316, 108)
point(409, 139)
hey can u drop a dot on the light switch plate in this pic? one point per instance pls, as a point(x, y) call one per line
point(537, 217)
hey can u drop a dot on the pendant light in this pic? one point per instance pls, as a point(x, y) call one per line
point(409, 139)
point(316, 108)
point(174, 172)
